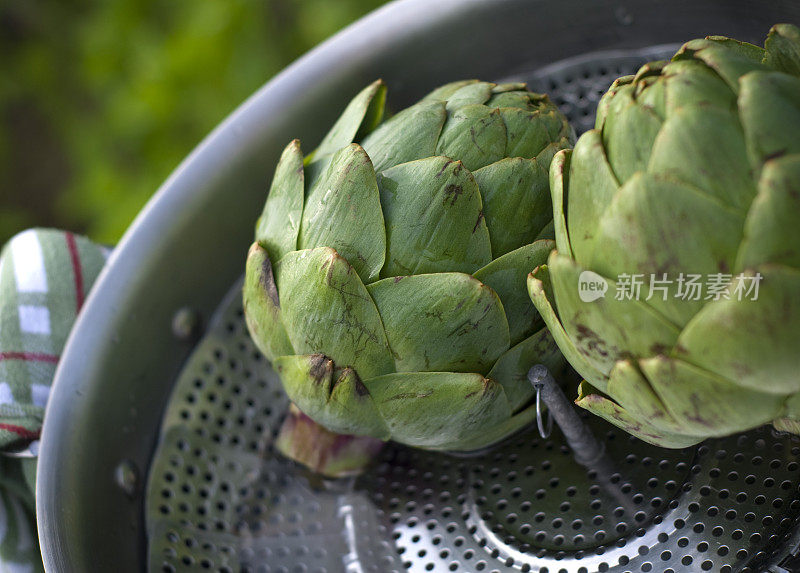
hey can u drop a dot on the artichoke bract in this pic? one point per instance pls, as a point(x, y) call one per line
point(675, 287)
point(387, 281)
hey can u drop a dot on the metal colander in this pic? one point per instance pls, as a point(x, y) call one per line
point(163, 458)
point(220, 498)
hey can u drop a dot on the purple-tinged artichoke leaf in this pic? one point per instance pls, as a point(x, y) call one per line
point(322, 451)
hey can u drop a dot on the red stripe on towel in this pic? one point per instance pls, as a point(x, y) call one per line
point(76, 270)
point(22, 432)
point(29, 356)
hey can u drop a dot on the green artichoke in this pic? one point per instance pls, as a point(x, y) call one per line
point(387, 282)
point(693, 170)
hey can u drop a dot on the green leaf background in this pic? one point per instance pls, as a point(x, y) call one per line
point(100, 101)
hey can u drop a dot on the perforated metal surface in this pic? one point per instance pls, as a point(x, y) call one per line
point(219, 499)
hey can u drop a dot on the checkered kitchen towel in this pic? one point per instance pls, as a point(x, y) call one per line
point(44, 278)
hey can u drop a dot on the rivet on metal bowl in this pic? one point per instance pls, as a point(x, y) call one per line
point(126, 477)
point(623, 16)
point(186, 324)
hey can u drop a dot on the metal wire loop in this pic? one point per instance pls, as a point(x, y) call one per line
point(544, 433)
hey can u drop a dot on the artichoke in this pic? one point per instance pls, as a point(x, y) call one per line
point(387, 281)
point(693, 170)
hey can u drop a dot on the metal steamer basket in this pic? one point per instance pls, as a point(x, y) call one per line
point(157, 452)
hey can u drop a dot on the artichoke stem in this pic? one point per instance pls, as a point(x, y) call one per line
point(327, 453)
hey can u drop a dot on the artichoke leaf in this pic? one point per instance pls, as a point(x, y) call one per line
point(548, 232)
point(438, 409)
point(603, 106)
point(528, 133)
point(628, 133)
point(490, 436)
point(790, 425)
point(559, 182)
point(771, 233)
point(507, 276)
point(744, 50)
point(441, 322)
point(516, 202)
point(314, 169)
point(475, 134)
point(705, 404)
point(511, 369)
point(760, 332)
point(634, 230)
point(783, 49)
point(343, 211)
point(620, 417)
point(546, 155)
point(711, 137)
point(636, 329)
point(279, 224)
point(691, 83)
point(434, 218)
point(334, 397)
point(362, 115)
point(509, 87)
point(592, 186)
point(443, 93)
point(730, 60)
point(628, 387)
point(327, 310)
point(517, 99)
point(792, 407)
point(541, 293)
point(262, 309)
point(769, 108)
point(409, 135)
point(470, 94)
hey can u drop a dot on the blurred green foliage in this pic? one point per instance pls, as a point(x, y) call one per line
point(100, 100)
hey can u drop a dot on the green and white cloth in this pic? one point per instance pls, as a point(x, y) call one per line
point(45, 276)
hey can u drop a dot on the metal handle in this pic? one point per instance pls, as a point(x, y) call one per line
point(586, 448)
point(588, 452)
